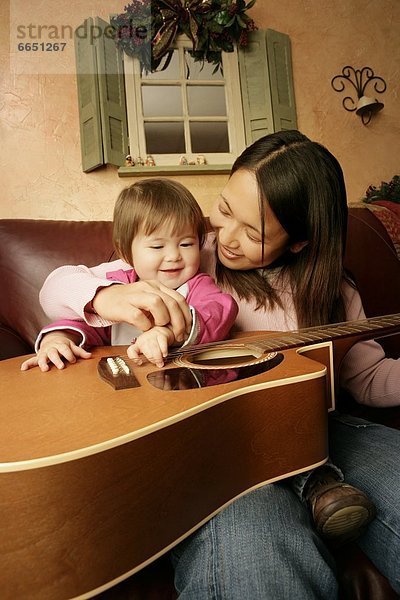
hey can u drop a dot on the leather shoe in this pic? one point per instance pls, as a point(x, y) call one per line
point(340, 511)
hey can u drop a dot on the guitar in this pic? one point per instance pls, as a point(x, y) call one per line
point(99, 480)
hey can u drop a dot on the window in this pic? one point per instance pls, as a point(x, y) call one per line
point(185, 110)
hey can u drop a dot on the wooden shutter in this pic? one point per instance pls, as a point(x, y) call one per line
point(255, 88)
point(266, 84)
point(101, 96)
point(88, 98)
point(112, 97)
point(281, 80)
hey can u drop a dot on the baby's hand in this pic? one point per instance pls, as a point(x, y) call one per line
point(55, 347)
point(153, 344)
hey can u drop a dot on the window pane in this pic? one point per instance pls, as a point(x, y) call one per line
point(197, 70)
point(209, 137)
point(161, 101)
point(207, 101)
point(164, 138)
point(172, 72)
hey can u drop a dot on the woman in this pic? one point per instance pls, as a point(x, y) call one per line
point(280, 226)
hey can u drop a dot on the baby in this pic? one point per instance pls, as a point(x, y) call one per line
point(158, 230)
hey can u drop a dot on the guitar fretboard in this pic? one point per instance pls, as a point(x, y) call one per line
point(362, 329)
point(365, 328)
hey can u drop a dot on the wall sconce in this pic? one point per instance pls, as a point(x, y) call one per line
point(365, 106)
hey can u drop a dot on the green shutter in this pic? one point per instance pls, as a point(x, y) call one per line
point(255, 88)
point(266, 82)
point(101, 96)
point(88, 99)
point(281, 80)
point(112, 97)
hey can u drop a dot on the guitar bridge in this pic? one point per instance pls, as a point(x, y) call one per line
point(117, 373)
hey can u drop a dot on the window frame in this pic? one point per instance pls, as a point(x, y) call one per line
point(234, 112)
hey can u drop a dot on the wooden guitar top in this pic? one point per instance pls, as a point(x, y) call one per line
point(63, 414)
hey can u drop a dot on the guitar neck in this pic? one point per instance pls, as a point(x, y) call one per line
point(343, 335)
point(363, 329)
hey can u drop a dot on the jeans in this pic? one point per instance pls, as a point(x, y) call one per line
point(299, 482)
point(369, 455)
point(264, 547)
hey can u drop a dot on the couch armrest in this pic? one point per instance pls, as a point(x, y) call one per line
point(12, 345)
point(29, 250)
point(371, 259)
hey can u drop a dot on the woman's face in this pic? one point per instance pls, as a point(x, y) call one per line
point(236, 219)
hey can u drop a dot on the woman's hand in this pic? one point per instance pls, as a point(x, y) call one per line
point(153, 345)
point(55, 348)
point(145, 304)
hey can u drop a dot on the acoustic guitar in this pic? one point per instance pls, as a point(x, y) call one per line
point(105, 466)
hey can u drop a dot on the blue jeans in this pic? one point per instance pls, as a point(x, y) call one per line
point(369, 455)
point(299, 482)
point(264, 547)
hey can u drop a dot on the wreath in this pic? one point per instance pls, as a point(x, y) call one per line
point(147, 29)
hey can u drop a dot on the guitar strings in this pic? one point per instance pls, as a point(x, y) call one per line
point(272, 341)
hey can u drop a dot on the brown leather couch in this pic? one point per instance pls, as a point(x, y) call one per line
point(30, 249)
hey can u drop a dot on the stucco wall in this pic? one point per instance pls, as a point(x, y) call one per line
point(40, 168)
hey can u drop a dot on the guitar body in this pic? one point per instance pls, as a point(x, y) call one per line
point(95, 482)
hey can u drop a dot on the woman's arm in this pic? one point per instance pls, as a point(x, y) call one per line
point(369, 376)
point(213, 313)
point(69, 290)
point(366, 373)
point(79, 292)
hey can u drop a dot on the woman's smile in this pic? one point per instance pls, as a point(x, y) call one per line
point(228, 253)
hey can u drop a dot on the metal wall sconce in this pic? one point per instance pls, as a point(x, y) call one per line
point(364, 106)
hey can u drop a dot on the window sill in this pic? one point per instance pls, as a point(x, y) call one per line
point(174, 170)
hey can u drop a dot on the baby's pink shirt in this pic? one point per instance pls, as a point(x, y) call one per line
point(213, 314)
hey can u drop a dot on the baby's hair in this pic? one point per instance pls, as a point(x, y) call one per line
point(150, 203)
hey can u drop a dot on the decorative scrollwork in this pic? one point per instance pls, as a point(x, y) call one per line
point(359, 79)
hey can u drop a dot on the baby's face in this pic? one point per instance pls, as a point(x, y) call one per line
point(165, 256)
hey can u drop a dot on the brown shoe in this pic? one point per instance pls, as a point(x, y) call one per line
point(340, 511)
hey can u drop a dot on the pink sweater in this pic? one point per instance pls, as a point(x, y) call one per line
point(366, 373)
point(213, 314)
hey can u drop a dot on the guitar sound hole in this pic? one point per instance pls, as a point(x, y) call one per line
point(184, 378)
point(232, 356)
point(221, 360)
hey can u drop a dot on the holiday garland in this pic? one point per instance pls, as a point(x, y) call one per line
point(387, 191)
point(147, 29)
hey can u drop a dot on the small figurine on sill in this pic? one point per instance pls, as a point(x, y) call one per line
point(201, 159)
point(150, 162)
point(129, 162)
point(183, 160)
point(140, 161)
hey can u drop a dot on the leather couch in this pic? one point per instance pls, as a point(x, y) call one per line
point(30, 249)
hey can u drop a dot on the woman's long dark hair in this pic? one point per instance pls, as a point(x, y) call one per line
point(304, 186)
